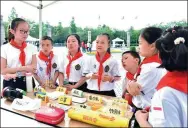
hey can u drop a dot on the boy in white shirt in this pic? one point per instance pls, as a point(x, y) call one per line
point(47, 64)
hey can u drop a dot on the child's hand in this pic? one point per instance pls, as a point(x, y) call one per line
point(42, 84)
point(9, 76)
point(30, 68)
point(133, 88)
point(94, 76)
point(52, 86)
point(141, 116)
point(70, 87)
point(106, 78)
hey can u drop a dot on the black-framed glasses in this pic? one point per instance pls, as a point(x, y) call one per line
point(24, 32)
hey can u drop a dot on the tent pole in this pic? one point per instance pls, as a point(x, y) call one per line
point(40, 19)
point(40, 7)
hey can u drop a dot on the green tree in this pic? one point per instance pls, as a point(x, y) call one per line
point(6, 25)
point(12, 15)
point(73, 26)
point(164, 26)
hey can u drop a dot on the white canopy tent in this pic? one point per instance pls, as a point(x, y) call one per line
point(32, 40)
point(117, 42)
point(40, 7)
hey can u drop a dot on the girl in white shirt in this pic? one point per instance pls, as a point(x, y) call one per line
point(103, 68)
point(72, 66)
point(148, 75)
point(17, 57)
point(169, 103)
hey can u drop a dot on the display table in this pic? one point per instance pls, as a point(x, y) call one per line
point(5, 105)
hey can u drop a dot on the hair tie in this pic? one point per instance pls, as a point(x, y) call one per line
point(178, 40)
point(173, 31)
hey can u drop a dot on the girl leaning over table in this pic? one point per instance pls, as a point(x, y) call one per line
point(18, 58)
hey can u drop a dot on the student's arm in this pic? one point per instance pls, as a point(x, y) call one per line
point(61, 78)
point(55, 77)
point(80, 82)
point(124, 87)
point(142, 117)
point(6, 70)
point(41, 83)
point(61, 70)
point(34, 62)
point(146, 81)
point(28, 68)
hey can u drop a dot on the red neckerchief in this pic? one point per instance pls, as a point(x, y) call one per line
point(127, 96)
point(154, 58)
point(100, 71)
point(22, 53)
point(78, 55)
point(48, 60)
point(176, 80)
point(129, 76)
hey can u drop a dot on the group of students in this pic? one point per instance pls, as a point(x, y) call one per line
point(159, 82)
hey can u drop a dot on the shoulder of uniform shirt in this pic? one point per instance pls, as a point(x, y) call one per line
point(113, 59)
point(150, 66)
point(167, 93)
point(5, 45)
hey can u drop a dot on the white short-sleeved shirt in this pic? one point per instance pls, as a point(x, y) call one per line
point(120, 86)
point(76, 70)
point(42, 65)
point(113, 70)
point(168, 108)
point(149, 78)
point(12, 54)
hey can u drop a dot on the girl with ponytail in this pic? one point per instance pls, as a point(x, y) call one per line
point(17, 57)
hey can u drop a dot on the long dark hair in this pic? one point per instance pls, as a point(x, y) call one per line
point(174, 56)
point(14, 24)
point(151, 34)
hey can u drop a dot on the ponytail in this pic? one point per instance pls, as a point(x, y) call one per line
point(10, 35)
point(14, 24)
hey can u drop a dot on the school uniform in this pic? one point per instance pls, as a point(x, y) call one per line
point(16, 57)
point(169, 103)
point(128, 77)
point(107, 66)
point(47, 66)
point(73, 69)
point(148, 76)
